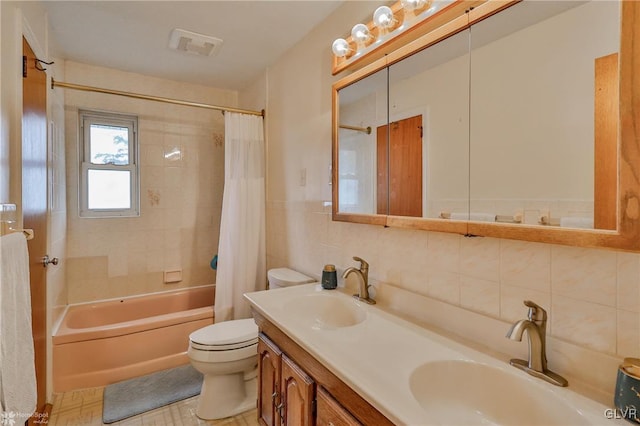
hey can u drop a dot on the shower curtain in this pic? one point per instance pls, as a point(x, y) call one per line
point(241, 250)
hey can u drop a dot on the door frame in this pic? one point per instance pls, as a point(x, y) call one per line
point(23, 29)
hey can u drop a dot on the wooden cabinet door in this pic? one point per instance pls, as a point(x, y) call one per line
point(298, 395)
point(269, 367)
point(331, 413)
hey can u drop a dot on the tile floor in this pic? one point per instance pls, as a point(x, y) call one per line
point(84, 408)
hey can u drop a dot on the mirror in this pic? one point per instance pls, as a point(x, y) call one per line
point(428, 149)
point(539, 92)
point(363, 107)
point(540, 73)
point(411, 131)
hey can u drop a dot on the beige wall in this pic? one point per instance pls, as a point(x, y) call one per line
point(592, 295)
point(181, 200)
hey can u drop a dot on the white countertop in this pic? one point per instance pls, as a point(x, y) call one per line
point(377, 356)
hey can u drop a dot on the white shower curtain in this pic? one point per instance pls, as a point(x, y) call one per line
point(241, 251)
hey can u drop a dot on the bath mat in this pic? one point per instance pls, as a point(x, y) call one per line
point(135, 396)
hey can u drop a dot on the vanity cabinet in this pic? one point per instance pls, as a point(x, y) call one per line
point(331, 413)
point(269, 367)
point(285, 392)
point(295, 389)
point(297, 395)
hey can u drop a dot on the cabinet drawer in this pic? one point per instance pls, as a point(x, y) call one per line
point(330, 412)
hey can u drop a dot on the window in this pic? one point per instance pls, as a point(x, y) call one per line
point(109, 165)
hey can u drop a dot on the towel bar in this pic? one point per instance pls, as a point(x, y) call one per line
point(28, 233)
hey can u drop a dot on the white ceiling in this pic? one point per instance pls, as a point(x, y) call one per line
point(133, 35)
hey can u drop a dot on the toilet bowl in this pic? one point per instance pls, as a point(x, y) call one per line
point(226, 354)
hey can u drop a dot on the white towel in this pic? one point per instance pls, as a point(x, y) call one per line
point(576, 222)
point(477, 217)
point(17, 367)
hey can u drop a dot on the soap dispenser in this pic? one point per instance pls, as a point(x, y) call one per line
point(329, 277)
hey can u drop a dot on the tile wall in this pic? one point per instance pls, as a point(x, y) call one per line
point(180, 196)
point(592, 295)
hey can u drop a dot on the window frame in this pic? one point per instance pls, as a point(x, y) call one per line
point(86, 119)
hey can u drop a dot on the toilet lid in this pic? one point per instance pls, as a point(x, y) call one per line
point(285, 277)
point(225, 335)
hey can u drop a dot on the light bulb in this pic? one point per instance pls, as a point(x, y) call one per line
point(340, 47)
point(383, 17)
point(360, 33)
point(412, 5)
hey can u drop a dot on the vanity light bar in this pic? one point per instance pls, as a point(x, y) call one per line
point(392, 27)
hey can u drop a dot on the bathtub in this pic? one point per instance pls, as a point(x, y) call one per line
point(105, 342)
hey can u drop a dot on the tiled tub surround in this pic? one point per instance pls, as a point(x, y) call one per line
point(181, 182)
point(104, 342)
point(378, 354)
point(591, 295)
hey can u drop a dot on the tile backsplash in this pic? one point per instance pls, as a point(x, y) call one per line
point(591, 295)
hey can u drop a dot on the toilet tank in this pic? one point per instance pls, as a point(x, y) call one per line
point(285, 277)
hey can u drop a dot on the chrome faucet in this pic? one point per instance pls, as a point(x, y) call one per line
point(536, 328)
point(363, 273)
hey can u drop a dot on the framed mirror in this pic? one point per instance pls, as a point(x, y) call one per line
point(532, 137)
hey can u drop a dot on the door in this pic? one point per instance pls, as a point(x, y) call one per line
point(34, 204)
point(400, 168)
point(268, 382)
point(298, 395)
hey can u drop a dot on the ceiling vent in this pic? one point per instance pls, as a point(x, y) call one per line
point(194, 43)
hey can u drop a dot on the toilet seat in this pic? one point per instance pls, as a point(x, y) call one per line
point(225, 336)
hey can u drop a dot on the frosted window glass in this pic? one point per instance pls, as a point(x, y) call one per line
point(109, 189)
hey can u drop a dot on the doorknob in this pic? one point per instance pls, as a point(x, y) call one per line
point(46, 261)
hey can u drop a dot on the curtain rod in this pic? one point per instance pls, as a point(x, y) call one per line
point(55, 84)
point(366, 130)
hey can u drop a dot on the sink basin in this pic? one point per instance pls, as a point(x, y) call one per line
point(457, 392)
point(326, 311)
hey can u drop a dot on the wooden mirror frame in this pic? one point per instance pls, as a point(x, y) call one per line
point(627, 234)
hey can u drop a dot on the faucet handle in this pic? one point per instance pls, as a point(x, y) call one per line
point(363, 263)
point(535, 311)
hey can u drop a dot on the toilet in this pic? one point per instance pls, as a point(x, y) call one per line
point(226, 354)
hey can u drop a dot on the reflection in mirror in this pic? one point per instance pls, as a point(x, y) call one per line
point(540, 73)
point(428, 153)
point(362, 107)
